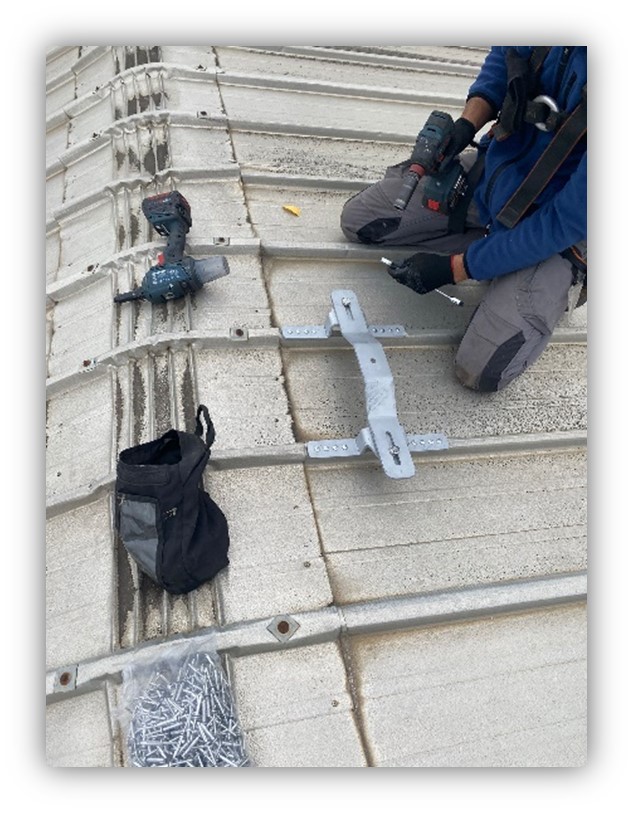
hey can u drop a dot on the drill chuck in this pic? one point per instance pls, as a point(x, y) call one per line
point(411, 180)
point(130, 296)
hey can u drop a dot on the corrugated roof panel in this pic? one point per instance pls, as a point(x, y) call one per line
point(389, 539)
point(80, 568)
point(327, 387)
point(276, 547)
point(467, 696)
point(408, 599)
point(89, 714)
point(297, 709)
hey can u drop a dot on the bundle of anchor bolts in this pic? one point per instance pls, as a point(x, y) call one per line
point(187, 722)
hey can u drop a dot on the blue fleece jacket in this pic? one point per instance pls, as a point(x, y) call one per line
point(560, 219)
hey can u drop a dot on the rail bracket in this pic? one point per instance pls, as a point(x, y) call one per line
point(384, 435)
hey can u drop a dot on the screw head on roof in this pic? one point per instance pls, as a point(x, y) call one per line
point(283, 627)
point(66, 679)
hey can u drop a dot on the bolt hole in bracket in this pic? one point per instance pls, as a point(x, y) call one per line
point(384, 435)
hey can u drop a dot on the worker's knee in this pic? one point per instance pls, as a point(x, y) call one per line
point(483, 367)
point(369, 215)
point(468, 378)
point(350, 217)
point(368, 218)
point(480, 381)
point(512, 325)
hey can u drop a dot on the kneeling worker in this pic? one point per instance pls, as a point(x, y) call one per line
point(524, 230)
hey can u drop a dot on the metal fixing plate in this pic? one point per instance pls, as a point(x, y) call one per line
point(384, 435)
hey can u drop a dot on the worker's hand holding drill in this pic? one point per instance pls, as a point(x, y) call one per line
point(462, 135)
point(434, 155)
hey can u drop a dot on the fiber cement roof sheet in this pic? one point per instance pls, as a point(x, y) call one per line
point(439, 620)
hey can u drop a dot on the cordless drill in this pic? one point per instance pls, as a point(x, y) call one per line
point(445, 184)
point(175, 275)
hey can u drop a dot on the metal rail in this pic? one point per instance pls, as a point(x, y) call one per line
point(329, 624)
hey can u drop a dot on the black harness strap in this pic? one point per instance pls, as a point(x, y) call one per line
point(538, 57)
point(568, 135)
point(522, 79)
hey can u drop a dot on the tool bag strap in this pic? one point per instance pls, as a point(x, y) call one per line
point(210, 429)
point(566, 138)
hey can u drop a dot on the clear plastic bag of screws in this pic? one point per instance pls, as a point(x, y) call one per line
point(179, 713)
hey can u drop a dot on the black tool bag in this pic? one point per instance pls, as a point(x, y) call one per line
point(167, 522)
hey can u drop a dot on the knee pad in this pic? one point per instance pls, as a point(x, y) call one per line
point(362, 219)
point(490, 377)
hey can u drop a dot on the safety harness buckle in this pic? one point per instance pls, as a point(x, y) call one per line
point(537, 114)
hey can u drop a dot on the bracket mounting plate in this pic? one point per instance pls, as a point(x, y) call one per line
point(384, 435)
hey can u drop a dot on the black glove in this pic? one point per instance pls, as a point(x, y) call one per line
point(423, 272)
point(463, 134)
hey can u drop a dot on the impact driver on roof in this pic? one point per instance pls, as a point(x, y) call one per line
point(175, 274)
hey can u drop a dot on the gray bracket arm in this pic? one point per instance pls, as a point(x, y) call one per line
point(384, 435)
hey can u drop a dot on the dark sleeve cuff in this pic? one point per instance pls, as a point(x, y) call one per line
point(466, 269)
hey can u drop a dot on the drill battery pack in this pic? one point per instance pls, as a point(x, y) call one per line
point(164, 210)
point(442, 193)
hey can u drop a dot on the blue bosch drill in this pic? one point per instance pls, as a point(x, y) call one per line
point(175, 275)
point(446, 182)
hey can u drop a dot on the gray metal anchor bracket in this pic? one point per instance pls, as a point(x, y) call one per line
point(384, 435)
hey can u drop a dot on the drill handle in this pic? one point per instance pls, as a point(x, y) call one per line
point(175, 248)
point(170, 214)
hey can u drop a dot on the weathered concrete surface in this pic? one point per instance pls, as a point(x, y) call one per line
point(79, 578)
point(296, 709)
point(327, 393)
point(276, 562)
point(78, 733)
point(468, 695)
point(457, 523)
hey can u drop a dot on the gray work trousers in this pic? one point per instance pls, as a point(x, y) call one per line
point(517, 313)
